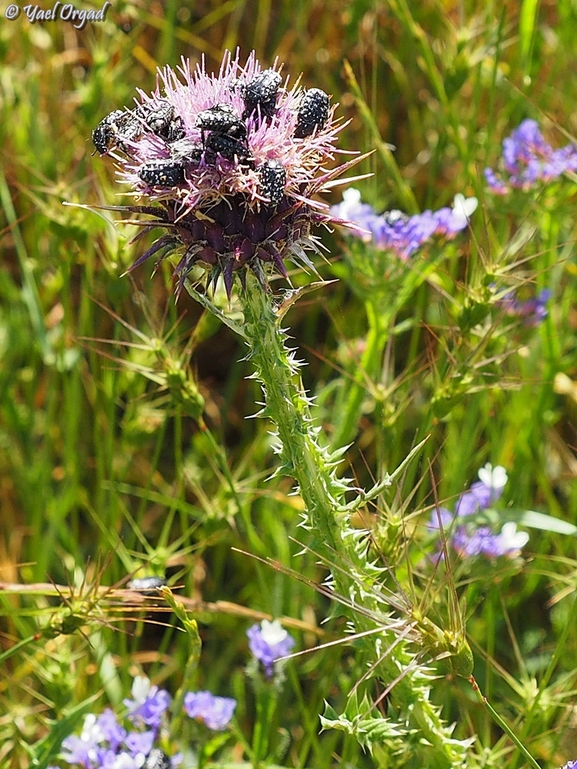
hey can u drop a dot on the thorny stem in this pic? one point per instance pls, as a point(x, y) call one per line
point(287, 406)
point(323, 493)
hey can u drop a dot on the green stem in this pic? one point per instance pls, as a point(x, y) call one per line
point(503, 724)
point(324, 496)
point(368, 370)
point(287, 406)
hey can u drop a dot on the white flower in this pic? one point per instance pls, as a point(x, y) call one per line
point(272, 632)
point(493, 477)
point(512, 540)
point(91, 732)
point(463, 208)
point(140, 689)
point(126, 761)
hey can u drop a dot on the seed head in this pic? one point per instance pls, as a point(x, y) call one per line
point(231, 163)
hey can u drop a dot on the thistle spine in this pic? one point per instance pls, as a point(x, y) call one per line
point(327, 513)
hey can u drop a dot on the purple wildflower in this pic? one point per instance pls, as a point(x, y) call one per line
point(479, 541)
point(149, 703)
point(441, 517)
point(232, 161)
point(215, 712)
point(111, 730)
point(477, 498)
point(570, 765)
point(528, 159)
point(483, 492)
point(469, 539)
point(395, 231)
point(140, 743)
point(83, 750)
point(122, 760)
point(532, 311)
point(268, 642)
point(361, 217)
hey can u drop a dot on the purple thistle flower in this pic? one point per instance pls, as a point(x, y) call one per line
point(528, 159)
point(149, 703)
point(232, 161)
point(395, 231)
point(268, 642)
point(214, 712)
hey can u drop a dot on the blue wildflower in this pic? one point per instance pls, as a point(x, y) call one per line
point(214, 712)
point(149, 703)
point(361, 217)
point(570, 765)
point(268, 642)
point(483, 492)
point(111, 730)
point(83, 750)
point(140, 743)
point(395, 231)
point(122, 760)
point(528, 159)
point(531, 311)
point(469, 539)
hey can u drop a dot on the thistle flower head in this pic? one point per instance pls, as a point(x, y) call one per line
point(232, 162)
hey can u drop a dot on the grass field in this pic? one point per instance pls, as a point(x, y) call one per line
point(128, 448)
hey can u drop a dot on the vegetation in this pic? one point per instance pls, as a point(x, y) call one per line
point(127, 451)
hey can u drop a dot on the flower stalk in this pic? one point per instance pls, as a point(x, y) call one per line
point(394, 656)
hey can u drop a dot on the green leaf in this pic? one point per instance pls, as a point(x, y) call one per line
point(529, 518)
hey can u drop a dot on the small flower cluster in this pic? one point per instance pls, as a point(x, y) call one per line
point(532, 311)
point(268, 642)
point(232, 160)
point(470, 539)
point(395, 231)
point(214, 712)
point(528, 159)
point(105, 743)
